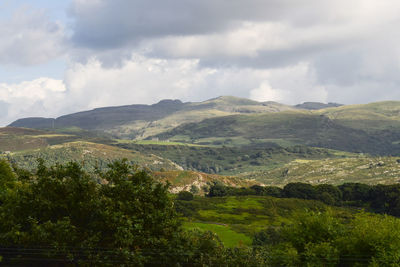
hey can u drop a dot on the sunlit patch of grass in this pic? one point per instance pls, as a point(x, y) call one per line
point(228, 237)
point(243, 203)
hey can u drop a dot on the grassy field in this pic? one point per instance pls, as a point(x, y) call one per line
point(237, 219)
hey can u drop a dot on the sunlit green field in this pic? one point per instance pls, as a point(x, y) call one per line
point(237, 218)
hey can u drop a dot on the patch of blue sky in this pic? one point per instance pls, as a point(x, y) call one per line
point(55, 9)
point(54, 69)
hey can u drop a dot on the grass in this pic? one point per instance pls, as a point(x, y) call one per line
point(237, 218)
point(228, 237)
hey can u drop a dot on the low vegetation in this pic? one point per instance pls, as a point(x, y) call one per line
point(362, 169)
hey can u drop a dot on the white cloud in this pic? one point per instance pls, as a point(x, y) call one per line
point(266, 93)
point(290, 85)
point(148, 80)
point(29, 37)
point(40, 97)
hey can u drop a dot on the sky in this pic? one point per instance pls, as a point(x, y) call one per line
point(64, 56)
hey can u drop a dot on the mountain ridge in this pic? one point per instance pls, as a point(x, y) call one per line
point(137, 112)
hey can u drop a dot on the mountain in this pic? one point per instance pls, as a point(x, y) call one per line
point(231, 121)
point(141, 121)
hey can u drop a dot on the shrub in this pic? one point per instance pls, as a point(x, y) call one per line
point(185, 195)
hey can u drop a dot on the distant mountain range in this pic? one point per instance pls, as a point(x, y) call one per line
point(371, 128)
point(134, 121)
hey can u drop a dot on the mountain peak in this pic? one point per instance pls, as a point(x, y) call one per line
point(169, 102)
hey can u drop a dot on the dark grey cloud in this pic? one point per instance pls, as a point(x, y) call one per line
point(115, 23)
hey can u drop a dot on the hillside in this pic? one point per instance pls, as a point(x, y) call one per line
point(198, 182)
point(367, 170)
point(301, 127)
point(373, 117)
point(90, 155)
point(317, 105)
point(230, 160)
point(25, 146)
point(17, 139)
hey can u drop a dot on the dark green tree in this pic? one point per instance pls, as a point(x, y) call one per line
point(66, 217)
point(185, 195)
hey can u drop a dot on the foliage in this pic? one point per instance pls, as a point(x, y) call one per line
point(185, 195)
point(65, 215)
point(228, 159)
point(375, 198)
point(321, 239)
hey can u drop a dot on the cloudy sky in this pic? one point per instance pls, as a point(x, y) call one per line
point(63, 56)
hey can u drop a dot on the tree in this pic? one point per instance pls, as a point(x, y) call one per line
point(185, 195)
point(65, 216)
point(299, 190)
point(217, 189)
point(328, 194)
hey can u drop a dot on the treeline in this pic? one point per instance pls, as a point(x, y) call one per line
point(375, 198)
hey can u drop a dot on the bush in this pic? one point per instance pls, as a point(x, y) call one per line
point(185, 195)
point(299, 190)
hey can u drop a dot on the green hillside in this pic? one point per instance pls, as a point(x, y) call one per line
point(301, 127)
point(230, 160)
point(16, 139)
point(90, 155)
point(367, 170)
